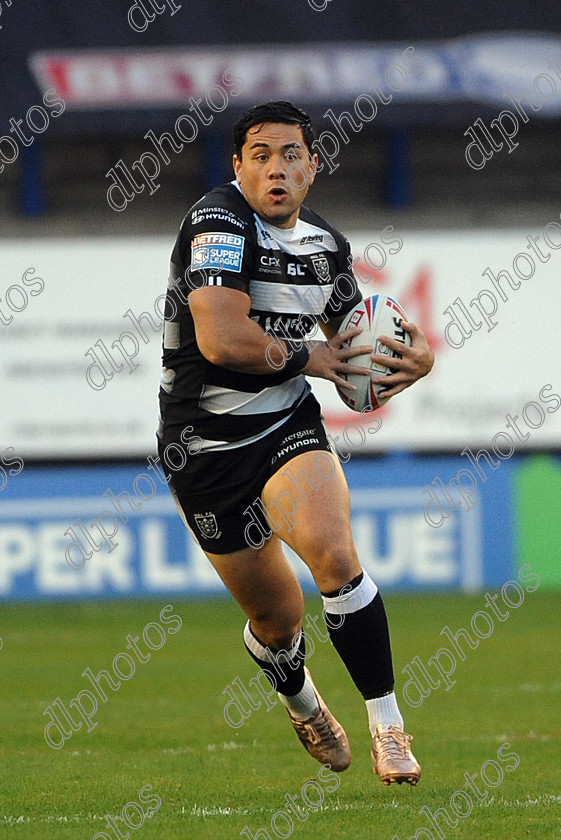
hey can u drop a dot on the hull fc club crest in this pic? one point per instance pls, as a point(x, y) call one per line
point(321, 267)
point(207, 525)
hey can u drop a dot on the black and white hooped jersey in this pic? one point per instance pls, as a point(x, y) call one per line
point(292, 277)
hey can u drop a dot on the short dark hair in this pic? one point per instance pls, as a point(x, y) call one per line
point(273, 112)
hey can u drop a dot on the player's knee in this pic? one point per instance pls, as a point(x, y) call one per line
point(333, 565)
point(277, 632)
point(285, 638)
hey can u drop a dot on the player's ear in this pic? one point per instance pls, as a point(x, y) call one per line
point(237, 162)
point(314, 167)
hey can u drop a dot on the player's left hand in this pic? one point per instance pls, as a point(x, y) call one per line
point(416, 361)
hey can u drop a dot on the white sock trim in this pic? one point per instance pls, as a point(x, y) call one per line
point(267, 654)
point(383, 710)
point(351, 600)
point(302, 705)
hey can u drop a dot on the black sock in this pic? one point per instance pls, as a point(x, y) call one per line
point(284, 669)
point(358, 628)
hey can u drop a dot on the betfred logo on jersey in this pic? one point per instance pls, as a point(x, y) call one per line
point(223, 251)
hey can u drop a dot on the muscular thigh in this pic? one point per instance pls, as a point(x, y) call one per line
point(308, 502)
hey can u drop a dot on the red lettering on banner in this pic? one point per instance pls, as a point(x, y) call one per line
point(366, 274)
point(59, 77)
point(183, 82)
point(417, 298)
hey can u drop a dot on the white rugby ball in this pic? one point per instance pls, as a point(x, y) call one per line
point(376, 315)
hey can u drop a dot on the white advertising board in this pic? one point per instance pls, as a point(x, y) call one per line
point(496, 369)
point(500, 371)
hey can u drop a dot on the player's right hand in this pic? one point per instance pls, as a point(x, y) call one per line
point(330, 359)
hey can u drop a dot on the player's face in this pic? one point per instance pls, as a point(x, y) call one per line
point(275, 171)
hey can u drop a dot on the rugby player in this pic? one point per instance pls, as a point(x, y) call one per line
point(253, 267)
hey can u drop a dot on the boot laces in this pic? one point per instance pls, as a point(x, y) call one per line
point(394, 743)
point(319, 730)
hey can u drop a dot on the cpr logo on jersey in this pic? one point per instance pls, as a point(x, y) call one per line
point(223, 251)
point(207, 525)
point(321, 267)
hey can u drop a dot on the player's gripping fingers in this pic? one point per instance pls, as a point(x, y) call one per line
point(354, 369)
point(413, 363)
point(392, 362)
point(344, 383)
point(402, 378)
point(340, 338)
point(391, 392)
point(339, 343)
point(421, 347)
point(350, 352)
point(394, 345)
point(339, 366)
point(418, 358)
point(394, 382)
point(329, 360)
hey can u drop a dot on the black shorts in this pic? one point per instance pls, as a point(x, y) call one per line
point(215, 491)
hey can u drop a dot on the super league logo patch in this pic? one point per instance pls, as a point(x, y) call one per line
point(223, 251)
point(321, 267)
point(207, 525)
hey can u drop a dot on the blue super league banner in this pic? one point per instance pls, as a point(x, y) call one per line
point(113, 531)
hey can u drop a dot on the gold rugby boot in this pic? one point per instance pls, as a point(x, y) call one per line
point(392, 758)
point(323, 736)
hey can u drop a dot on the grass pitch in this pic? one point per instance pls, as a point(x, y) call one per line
point(165, 728)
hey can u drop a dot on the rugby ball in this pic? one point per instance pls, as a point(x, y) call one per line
point(376, 315)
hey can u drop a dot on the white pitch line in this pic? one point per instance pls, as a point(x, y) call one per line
point(219, 811)
point(230, 745)
point(79, 818)
point(51, 819)
point(528, 803)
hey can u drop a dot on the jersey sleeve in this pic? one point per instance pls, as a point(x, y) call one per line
point(214, 249)
point(346, 293)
